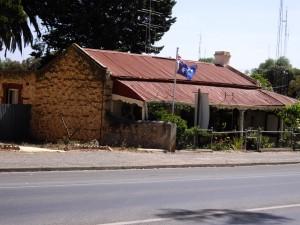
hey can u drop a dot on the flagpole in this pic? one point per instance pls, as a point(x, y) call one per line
point(174, 85)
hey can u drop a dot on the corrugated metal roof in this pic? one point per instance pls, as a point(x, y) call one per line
point(185, 93)
point(135, 66)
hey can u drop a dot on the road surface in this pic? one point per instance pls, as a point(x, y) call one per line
point(237, 195)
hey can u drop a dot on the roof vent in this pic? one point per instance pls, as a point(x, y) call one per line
point(222, 58)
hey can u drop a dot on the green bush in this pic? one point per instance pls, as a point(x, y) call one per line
point(189, 135)
point(221, 143)
point(237, 143)
point(291, 115)
point(265, 142)
point(180, 123)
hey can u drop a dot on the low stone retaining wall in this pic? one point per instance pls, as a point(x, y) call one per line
point(146, 134)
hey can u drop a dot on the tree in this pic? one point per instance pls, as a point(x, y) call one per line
point(207, 60)
point(278, 72)
point(14, 28)
point(16, 66)
point(101, 24)
point(294, 86)
point(291, 115)
point(104, 24)
point(264, 83)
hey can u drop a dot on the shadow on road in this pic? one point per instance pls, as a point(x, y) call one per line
point(225, 215)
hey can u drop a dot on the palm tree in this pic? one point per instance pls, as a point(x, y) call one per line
point(14, 25)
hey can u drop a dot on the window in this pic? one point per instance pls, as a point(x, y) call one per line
point(12, 94)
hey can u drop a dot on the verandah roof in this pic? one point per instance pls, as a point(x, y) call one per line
point(222, 97)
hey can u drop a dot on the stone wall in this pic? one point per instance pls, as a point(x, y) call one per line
point(25, 79)
point(147, 134)
point(70, 98)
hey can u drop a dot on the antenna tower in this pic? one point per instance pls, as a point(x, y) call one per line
point(282, 33)
point(148, 24)
point(200, 46)
point(286, 34)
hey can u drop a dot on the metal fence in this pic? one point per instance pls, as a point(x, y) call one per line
point(257, 140)
point(14, 122)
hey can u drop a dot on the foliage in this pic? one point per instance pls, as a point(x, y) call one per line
point(185, 111)
point(262, 81)
point(180, 123)
point(221, 143)
point(291, 115)
point(294, 87)
point(237, 143)
point(189, 135)
point(103, 24)
point(184, 136)
point(278, 72)
point(25, 65)
point(14, 27)
point(265, 142)
point(266, 66)
point(207, 60)
point(115, 25)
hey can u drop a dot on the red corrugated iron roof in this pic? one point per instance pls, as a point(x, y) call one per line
point(145, 67)
point(185, 93)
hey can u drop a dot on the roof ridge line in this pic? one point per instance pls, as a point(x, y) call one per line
point(242, 74)
point(145, 55)
point(77, 47)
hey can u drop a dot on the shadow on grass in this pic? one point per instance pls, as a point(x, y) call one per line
point(225, 216)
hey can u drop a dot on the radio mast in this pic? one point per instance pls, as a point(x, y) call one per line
point(148, 24)
point(282, 32)
point(286, 33)
point(200, 46)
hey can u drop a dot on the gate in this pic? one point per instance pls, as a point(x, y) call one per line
point(14, 122)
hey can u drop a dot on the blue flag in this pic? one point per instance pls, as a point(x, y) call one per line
point(185, 70)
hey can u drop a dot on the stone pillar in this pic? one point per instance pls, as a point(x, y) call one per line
point(241, 121)
point(143, 112)
point(281, 124)
point(146, 111)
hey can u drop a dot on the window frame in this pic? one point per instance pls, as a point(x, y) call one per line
point(7, 86)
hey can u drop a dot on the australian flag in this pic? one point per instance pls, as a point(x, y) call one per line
point(185, 70)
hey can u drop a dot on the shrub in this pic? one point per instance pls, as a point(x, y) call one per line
point(237, 143)
point(221, 143)
point(180, 123)
point(291, 115)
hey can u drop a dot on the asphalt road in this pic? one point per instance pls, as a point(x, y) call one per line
point(238, 195)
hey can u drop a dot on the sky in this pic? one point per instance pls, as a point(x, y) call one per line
point(247, 29)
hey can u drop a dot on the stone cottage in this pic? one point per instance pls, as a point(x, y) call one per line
point(74, 93)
